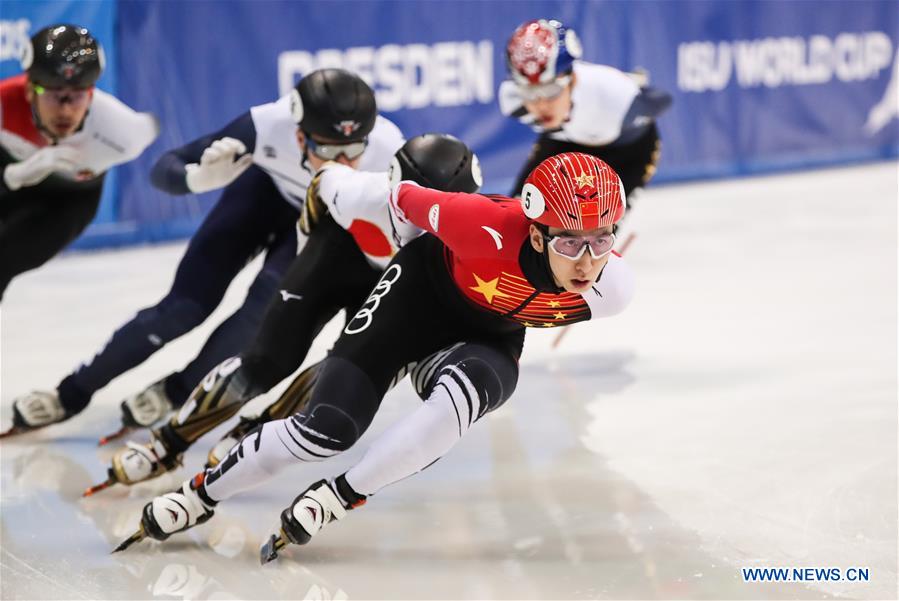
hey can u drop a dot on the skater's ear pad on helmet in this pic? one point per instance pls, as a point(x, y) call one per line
point(437, 161)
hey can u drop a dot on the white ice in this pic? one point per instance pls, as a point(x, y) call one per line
point(741, 413)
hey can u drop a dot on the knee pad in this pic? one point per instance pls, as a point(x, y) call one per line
point(343, 405)
point(478, 370)
point(297, 395)
point(172, 317)
point(424, 373)
point(329, 427)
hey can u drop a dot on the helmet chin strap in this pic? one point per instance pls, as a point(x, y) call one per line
point(40, 124)
point(304, 158)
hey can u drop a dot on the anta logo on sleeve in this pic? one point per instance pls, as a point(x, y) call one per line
point(497, 237)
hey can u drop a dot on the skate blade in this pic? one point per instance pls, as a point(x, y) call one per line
point(114, 436)
point(269, 551)
point(134, 538)
point(102, 486)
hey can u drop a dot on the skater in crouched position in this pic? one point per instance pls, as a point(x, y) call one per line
point(264, 160)
point(350, 242)
point(578, 106)
point(489, 268)
point(59, 137)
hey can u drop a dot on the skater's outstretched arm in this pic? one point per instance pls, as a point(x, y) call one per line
point(170, 171)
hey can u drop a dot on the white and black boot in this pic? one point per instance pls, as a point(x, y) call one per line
point(135, 463)
point(36, 409)
point(322, 503)
point(179, 510)
point(147, 407)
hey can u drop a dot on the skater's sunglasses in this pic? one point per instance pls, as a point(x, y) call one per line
point(547, 91)
point(60, 96)
point(573, 247)
point(330, 152)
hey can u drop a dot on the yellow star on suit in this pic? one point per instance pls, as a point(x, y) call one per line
point(488, 289)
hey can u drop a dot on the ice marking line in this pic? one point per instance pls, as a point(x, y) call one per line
point(66, 587)
point(10, 568)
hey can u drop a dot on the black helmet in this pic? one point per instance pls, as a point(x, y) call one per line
point(437, 161)
point(334, 104)
point(62, 56)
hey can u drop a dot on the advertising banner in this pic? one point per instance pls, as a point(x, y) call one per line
point(757, 86)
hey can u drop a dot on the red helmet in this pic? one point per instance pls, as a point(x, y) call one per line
point(540, 51)
point(573, 191)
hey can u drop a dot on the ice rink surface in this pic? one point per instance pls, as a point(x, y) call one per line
point(741, 413)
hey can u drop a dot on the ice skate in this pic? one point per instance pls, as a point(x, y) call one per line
point(34, 410)
point(318, 505)
point(136, 463)
point(142, 410)
point(173, 512)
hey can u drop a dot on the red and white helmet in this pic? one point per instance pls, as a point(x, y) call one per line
point(540, 51)
point(573, 191)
